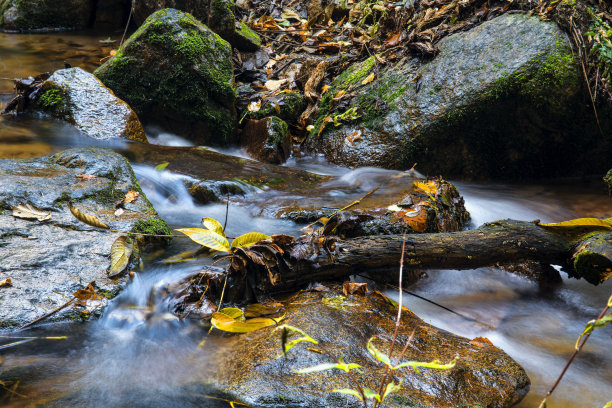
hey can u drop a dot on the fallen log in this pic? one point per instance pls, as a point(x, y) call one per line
point(283, 264)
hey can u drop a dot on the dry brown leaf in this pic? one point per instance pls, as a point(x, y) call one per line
point(353, 137)
point(5, 283)
point(416, 220)
point(130, 196)
point(28, 211)
point(481, 342)
point(311, 86)
point(86, 218)
point(86, 294)
point(85, 176)
point(354, 288)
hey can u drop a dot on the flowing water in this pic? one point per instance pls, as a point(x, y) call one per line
point(138, 355)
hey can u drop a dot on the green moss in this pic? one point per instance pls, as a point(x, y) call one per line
point(608, 180)
point(153, 226)
point(55, 102)
point(278, 131)
point(288, 107)
point(249, 34)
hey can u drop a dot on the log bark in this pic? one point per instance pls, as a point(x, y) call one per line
point(272, 267)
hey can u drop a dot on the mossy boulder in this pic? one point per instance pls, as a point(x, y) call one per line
point(253, 371)
point(49, 260)
point(504, 99)
point(267, 140)
point(177, 73)
point(80, 98)
point(217, 14)
point(42, 15)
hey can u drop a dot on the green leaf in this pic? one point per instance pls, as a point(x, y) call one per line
point(349, 392)
point(594, 324)
point(226, 323)
point(248, 239)
point(317, 368)
point(207, 238)
point(288, 346)
point(162, 166)
point(383, 358)
point(370, 394)
point(608, 405)
point(121, 250)
point(391, 388)
point(433, 364)
point(213, 225)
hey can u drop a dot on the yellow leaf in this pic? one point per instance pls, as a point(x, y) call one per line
point(121, 250)
point(5, 283)
point(254, 106)
point(86, 218)
point(30, 212)
point(248, 239)
point(130, 196)
point(430, 187)
point(207, 238)
point(213, 225)
point(368, 79)
point(594, 223)
point(233, 312)
point(324, 89)
point(226, 323)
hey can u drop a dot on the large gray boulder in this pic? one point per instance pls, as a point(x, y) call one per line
point(47, 261)
point(501, 100)
point(175, 72)
point(80, 98)
point(40, 15)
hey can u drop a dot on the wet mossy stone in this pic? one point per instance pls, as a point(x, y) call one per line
point(504, 99)
point(260, 376)
point(78, 97)
point(49, 260)
point(45, 15)
point(175, 72)
point(267, 140)
point(217, 14)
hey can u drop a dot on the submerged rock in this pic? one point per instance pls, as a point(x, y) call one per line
point(267, 140)
point(47, 261)
point(252, 372)
point(41, 15)
point(175, 72)
point(217, 14)
point(501, 100)
point(80, 98)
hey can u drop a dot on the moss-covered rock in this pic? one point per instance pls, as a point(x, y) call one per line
point(259, 376)
point(80, 98)
point(504, 99)
point(217, 14)
point(286, 105)
point(176, 72)
point(41, 15)
point(49, 260)
point(267, 140)
point(608, 180)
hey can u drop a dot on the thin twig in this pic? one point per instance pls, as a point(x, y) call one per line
point(226, 210)
point(385, 380)
point(574, 354)
point(51, 313)
point(127, 24)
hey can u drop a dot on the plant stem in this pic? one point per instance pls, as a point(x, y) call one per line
point(574, 354)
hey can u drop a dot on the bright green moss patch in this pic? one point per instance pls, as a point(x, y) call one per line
point(153, 226)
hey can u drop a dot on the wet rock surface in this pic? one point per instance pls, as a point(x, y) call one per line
point(267, 140)
point(492, 103)
point(484, 375)
point(47, 261)
point(81, 99)
point(45, 15)
point(175, 72)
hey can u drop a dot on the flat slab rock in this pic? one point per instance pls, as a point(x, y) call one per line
point(251, 371)
point(47, 261)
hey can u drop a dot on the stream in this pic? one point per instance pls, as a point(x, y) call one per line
point(138, 355)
